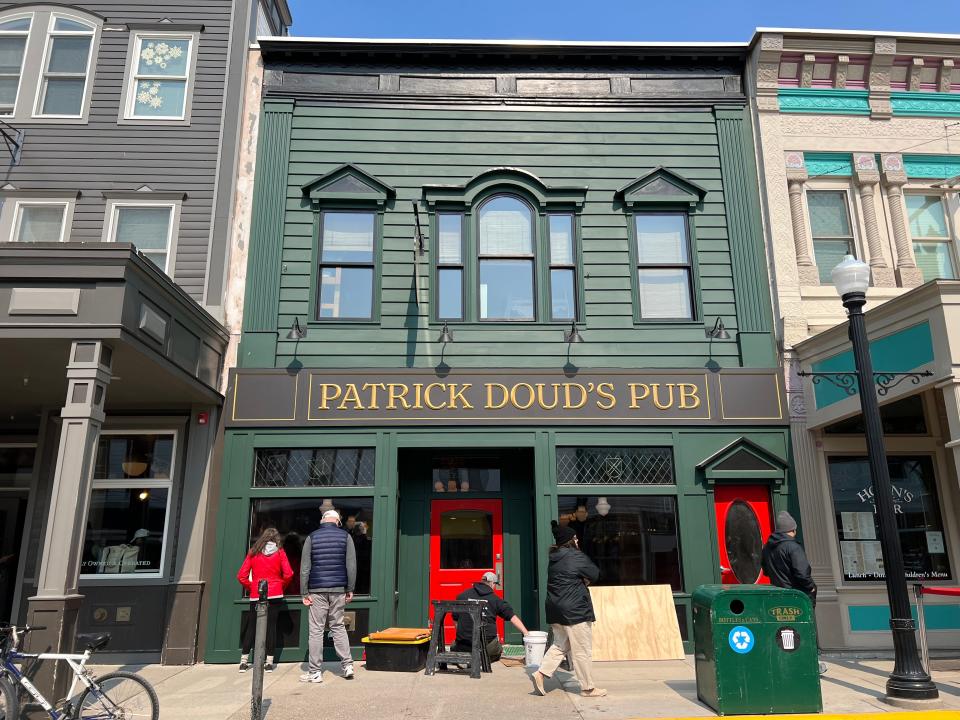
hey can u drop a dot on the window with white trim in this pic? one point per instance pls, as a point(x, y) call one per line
point(148, 226)
point(831, 230)
point(664, 266)
point(129, 516)
point(159, 76)
point(932, 236)
point(40, 221)
point(47, 60)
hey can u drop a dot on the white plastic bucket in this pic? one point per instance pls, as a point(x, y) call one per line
point(534, 646)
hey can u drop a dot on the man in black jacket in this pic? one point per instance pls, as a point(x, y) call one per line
point(569, 612)
point(785, 562)
point(496, 607)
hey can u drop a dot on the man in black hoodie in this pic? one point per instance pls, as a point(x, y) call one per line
point(496, 607)
point(785, 562)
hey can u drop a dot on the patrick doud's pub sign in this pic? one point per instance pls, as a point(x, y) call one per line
point(321, 397)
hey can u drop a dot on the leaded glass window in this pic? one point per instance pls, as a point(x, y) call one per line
point(314, 467)
point(615, 466)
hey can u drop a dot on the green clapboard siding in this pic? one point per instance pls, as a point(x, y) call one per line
point(412, 147)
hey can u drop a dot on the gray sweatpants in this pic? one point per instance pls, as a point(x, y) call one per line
point(326, 610)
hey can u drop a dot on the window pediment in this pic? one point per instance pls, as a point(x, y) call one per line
point(504, 179)
point(660, 186)
point(348, 183)
point(743, 460)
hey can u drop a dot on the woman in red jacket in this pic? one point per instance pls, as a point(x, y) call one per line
point(266, 560)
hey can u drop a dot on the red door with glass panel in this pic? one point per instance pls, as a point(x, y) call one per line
point(466, 540)
point(743, 526)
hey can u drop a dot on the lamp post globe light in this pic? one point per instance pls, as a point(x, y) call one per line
point(908, 681)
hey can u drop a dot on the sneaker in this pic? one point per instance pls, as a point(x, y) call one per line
point(244, 666)
point(538, 682)
point(348, 672)
point(593, 692)
point(312, 677)
point(269, 667)
point(822, 668)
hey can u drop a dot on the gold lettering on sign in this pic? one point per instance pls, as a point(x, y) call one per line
point(568, 403)
point(656, 397)
point(351, 396)
point(635, 398)
point(505, 395)
point(605, 390)
point(418, 396)
point(541, 401)
point(426, 397)
point(328, 393)
point(397, 392)
point(373, 394)
point(458, 394)
point(688, 392)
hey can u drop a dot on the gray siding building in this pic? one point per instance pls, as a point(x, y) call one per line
point(119, 129)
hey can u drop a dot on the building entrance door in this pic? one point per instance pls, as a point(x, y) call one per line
point(466, 540)
point(743, 526)
point(12, 515)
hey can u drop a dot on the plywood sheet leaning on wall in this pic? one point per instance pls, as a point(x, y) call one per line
point(635, 622)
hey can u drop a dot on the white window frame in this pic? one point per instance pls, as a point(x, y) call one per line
point(18, 206)
point(853, 214)
point(123, 484)
point(113, 216)
point(41, 78)
point(949, 201)
point(129, 96)
point(26, 45)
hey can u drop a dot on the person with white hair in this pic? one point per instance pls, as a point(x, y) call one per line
point(328, 574)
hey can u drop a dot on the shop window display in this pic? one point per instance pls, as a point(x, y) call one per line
point(296, 518)
point(634, 540)
point(916, 509)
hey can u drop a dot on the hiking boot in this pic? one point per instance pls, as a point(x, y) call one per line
point(312, 677)
point(348, 672)
point(593, 692)
point(538, 678)
point(244, 666)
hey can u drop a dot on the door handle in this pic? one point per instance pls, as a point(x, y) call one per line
point(725, 569)
point(498, 569)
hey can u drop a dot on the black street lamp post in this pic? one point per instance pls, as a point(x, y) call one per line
point(909, 680)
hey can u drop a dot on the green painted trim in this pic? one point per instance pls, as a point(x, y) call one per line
point(931, 166)
point(876, 618)
point(901, 351)
point(491, 181)
point(824, 101)
point(681, 191)
point(824, 163)
point(929, 104)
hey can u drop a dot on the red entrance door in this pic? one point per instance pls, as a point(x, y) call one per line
point(466, 540)
point(743, 526)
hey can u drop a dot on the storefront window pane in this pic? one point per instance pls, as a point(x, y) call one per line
point(466, 540)
point(903, 417)
point(120, 457)
point(16, 465)
point(314, 467)
point(634, 540)
point(615, 466)
point(916, 509)
point(466, 479)
point(296, 518)
point(125, 531)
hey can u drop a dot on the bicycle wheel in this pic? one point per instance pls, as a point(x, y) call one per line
point(9, 705)
point(119, 696)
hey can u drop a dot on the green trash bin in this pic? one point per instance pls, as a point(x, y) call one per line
point(755, 650)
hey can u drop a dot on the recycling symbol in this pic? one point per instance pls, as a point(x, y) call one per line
point(741, 639)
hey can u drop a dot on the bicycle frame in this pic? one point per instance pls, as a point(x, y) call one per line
point(77, 662)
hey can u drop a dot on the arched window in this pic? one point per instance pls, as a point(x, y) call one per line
point(505, 250)
point(47, 55)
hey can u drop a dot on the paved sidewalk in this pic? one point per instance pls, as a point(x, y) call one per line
point(637, 690)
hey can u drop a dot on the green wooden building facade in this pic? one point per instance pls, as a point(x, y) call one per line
point(416, 370)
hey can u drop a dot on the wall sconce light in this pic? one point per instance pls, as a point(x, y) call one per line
point(719, 332)
point(572, 335)
point(445, 335)
point(296, 332)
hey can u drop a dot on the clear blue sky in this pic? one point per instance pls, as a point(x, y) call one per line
point(711, 20)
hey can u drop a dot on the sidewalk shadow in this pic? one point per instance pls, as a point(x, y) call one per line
point(859, 689)
point(687, 689)
point(857, 665)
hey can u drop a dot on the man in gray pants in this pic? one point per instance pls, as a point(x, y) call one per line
point(328, 572)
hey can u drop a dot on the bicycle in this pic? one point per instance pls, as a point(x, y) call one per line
point(118, 695)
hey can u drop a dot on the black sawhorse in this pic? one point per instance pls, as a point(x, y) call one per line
point(438, 655)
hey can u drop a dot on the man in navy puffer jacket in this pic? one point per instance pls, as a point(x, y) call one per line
point(328, 573)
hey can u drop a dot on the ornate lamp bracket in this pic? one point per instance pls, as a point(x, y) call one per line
point(847, 381)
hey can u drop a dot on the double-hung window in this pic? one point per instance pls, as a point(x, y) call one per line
point(347, 264)
point(47, 59)
point(563, 267)
point(932, 241)
point(160, 77)
point(450, 266)
point(505, 249)
point(39, 221)
point(664, 266)
point(830, 229)
point(151, 227)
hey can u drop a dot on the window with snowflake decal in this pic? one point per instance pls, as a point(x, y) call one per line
point(160, 78)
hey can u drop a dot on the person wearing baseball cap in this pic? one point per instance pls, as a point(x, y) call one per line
point(328, 573)
point(496, 607)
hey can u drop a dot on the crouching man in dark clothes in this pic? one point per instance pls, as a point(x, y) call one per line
point(496, 607)
point(785, 562)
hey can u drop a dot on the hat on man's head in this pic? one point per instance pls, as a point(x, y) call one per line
point(141, 533)
point(331, 515)
point(785, 522)
point(490, 577)
point(562, 534)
